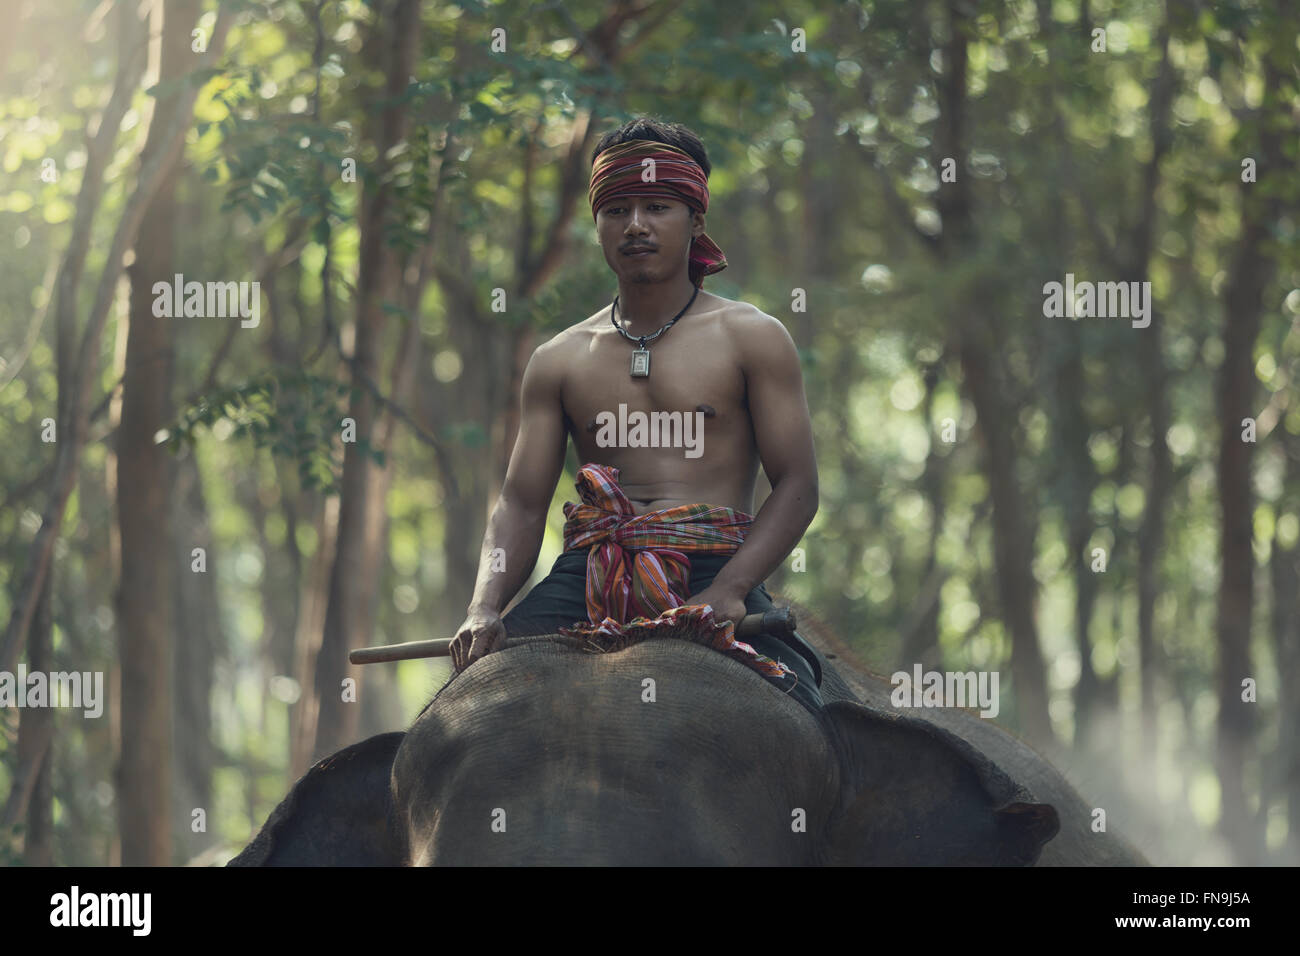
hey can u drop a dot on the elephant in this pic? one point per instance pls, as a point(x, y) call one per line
point(667, 752)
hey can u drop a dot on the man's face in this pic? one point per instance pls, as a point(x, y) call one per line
point(647, 238)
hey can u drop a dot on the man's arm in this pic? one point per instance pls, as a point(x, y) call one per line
point(783, 432)
point(518, 520)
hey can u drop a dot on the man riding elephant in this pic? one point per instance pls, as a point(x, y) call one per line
point(659, 525)
point(663, 752)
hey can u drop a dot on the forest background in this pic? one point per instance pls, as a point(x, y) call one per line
point(1106, 513)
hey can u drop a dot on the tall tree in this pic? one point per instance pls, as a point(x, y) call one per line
point(144, 598)
point(359, 553)
point(1076, 474)
point(1137, 256)
point(1250, 275)
point(30, 796)
point(974, 338)
point(197, 616)
point(1284, 576)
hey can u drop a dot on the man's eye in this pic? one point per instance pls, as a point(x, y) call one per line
point(615, 210)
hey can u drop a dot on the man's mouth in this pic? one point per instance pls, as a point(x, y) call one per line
point(639, 251)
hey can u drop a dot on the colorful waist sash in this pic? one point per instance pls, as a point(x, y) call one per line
point(638, 569)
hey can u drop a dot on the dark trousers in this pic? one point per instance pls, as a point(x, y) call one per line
point(560, 600)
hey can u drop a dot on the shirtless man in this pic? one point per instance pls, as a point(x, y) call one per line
point(725, 359)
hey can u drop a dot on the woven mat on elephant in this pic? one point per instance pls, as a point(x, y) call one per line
point(693, 623)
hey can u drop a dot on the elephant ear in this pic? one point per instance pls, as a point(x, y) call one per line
point(913, 794)
point(339, 814)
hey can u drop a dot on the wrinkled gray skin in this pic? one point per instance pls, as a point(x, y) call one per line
point(542, 754)
point(1076, 844)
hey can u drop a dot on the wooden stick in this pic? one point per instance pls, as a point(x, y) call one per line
point(777, 621)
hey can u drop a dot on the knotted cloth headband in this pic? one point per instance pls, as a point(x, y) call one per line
point(618, 173)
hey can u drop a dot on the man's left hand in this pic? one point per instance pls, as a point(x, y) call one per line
point(727, 604)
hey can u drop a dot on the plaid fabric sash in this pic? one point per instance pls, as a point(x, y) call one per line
point(638, 569)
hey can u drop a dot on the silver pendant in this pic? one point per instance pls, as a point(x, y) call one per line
point(640, 363)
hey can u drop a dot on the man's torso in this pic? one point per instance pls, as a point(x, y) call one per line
point(695, 367)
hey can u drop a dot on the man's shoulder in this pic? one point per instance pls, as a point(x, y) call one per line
point(577, 334)
point(742, 316)
point(562, 342)
point(759, 336)
point(736, 316)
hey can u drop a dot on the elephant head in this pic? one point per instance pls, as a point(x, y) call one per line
point(915, 794)
point(665, 752)
point(339, 814)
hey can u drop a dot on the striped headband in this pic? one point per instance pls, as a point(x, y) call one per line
point(618, 171)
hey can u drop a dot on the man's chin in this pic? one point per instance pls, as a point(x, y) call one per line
point(642, 272)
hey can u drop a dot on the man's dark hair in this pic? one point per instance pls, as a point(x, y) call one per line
point(657, 131)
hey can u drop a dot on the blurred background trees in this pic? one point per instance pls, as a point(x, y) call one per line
point(1070, 501)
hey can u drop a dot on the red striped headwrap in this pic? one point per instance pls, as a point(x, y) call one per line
point(621, 171)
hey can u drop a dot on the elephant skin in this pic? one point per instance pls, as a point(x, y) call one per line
point(845, 677)
point(541, 754)
point(339, 814)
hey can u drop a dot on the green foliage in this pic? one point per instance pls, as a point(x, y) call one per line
point(10, 855)
point(273, 163)
point(468, 434)
point(294, 414)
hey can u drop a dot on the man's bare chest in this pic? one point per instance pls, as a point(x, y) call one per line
point(698, 373)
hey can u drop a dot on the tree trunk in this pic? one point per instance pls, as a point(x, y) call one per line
point(1151, 536)
point(1250, 275)
point(1013, 537)
point(358, 559)
point(1013, 529)
point(144, 599)
point(198, 644)
point(30, 797)
point(1236, 401)
point(1284, 574)
point(921, 628)
point(312, 603)
point(1076, 475)
point(38, 839)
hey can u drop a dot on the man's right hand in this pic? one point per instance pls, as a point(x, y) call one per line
point(482, 633)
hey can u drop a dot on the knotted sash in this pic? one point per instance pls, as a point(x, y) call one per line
point(638, 569)
point(620, 171)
